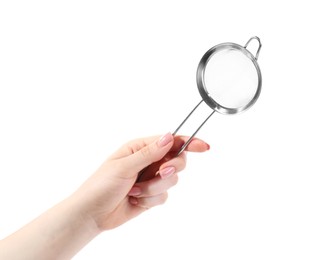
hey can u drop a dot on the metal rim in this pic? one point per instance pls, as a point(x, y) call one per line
point(200, 78)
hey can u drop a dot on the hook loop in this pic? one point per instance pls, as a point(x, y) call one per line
point(254, 38)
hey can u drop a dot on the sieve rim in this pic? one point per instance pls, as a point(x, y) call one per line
point(201, 85)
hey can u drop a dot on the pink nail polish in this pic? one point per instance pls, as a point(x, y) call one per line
point(135, 191)
point(165, 139)
point(167, 172)
point(133, 200)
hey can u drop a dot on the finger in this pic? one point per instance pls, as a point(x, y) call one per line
point(196, 145)
point(133, 146)
point(155, 186)
point(149, 202)
point(147, 155)
point(163, 166)
point(179, 163)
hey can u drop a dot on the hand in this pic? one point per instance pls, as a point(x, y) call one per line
point(106, 200)
point(111, 196)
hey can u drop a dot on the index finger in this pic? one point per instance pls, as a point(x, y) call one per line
point(196, 144)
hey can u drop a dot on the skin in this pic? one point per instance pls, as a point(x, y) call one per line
point(109, 198)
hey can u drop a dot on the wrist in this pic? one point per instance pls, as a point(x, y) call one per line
point(81, 215)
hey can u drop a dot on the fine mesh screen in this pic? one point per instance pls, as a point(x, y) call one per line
point(230, 78)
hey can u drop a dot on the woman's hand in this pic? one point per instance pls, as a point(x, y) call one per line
point(111, 196)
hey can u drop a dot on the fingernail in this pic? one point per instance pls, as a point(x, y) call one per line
point(167, 172)
point(133, 200)
point(165, 139)
point(135, 191)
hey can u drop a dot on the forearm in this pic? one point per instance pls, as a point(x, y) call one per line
point(58, 234)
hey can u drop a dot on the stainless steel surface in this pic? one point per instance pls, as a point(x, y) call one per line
point(201, 83)
point(254, 38)
point(206, 97)
point(183, 147)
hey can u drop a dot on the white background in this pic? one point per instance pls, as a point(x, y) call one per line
point(80, 78)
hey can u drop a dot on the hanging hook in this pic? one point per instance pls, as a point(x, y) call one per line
point(254, 38)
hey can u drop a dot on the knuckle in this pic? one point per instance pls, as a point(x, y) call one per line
point(163, 198)
point(146, 152)
point(147, 190)
point(179, 163)
point(174, 179)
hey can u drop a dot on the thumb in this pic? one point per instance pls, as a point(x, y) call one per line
point(147, 155)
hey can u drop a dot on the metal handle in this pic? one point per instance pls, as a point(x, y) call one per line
point(254, 38)
point(183, 147)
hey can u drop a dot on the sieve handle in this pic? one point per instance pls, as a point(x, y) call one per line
point(254, 38)
point(183, 147)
